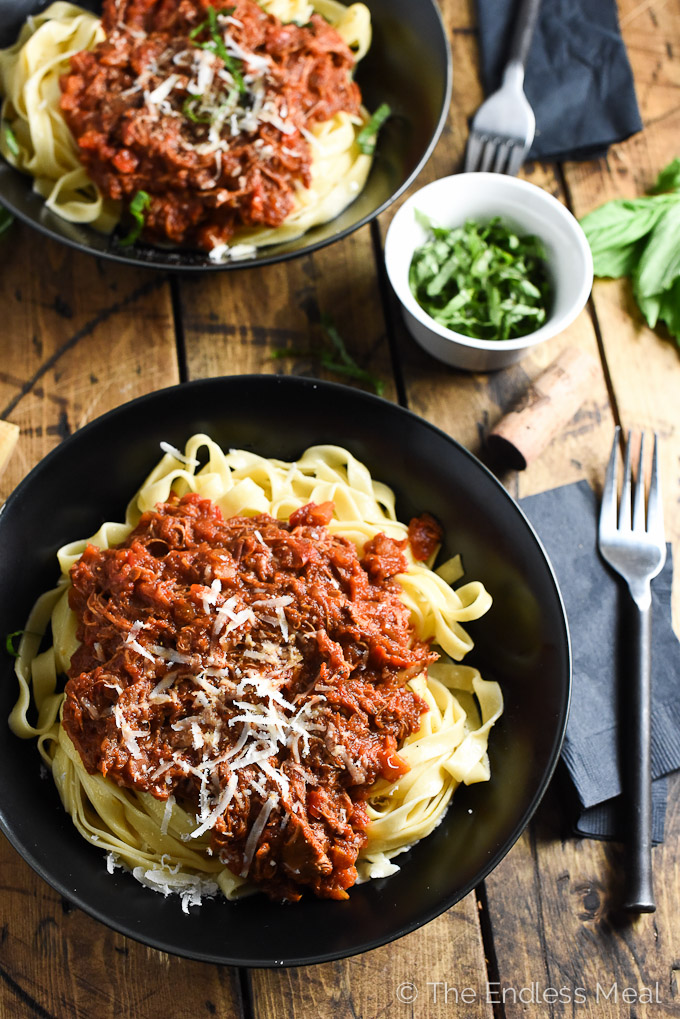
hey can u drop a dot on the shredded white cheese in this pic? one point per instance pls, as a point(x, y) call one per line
point(255, 832)
point(173, 451)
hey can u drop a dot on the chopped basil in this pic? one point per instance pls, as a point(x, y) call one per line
point(138, 205)
point(366, 138)
point(216, 44)
point(481, 279)
point(11, 140)
point(189, 111)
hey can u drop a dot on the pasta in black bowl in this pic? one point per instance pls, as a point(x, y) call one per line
point(223, 137)
point(508, 603)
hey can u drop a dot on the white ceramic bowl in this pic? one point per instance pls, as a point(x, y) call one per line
point(527, 208)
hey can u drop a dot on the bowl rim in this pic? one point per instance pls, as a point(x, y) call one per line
point(165, 942)
point(113, 255)
point(550, 328)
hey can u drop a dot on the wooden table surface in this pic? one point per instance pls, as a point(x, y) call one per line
point(80, 336)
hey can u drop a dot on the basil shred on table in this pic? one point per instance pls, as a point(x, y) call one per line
point(481, 279)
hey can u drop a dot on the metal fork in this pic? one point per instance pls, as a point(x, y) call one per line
point(503, 127)
point(636, 549)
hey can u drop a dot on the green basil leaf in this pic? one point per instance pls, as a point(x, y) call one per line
point(615, 227)
point(366, 138)
point(669, 310)
point(11, 140)
point(668, 179)
point(138, 205)
point(659, 264)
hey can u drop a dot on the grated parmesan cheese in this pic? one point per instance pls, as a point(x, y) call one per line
point(173, 451)
point(255, 832)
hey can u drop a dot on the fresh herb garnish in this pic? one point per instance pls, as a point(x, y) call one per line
point(638, 237)
point(9, 642)
point(138, 205)
point(11, 140)
point(216, 44)
point(481, 279)
point(335, 359)
point(189, 107)
point(367, 137)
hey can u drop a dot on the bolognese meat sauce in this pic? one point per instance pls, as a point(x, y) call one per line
point(205, 110)
point(254, 669)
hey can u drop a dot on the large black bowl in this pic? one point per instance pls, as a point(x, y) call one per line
point(407, 66)
point(522, 642)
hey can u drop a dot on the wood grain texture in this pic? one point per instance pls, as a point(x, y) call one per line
point(565, 892)
point(408, 978)
point(643, 364)
point(57, 963)
point(554, 890)
point(79, 337)
point(236, 323)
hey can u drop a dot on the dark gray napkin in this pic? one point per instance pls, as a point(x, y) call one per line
point(566, 522)
point(578, 78)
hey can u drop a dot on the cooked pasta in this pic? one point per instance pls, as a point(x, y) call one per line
point(166, 844)
point(38, 141)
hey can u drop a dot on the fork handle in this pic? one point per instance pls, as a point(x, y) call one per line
point(524, 31)
point(639, 893)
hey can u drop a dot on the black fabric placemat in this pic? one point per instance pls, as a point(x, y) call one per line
point(566, 522)
point(578, 78)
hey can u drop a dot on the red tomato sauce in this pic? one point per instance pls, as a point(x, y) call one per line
point(424, 535)
point(206, 109)
point(255, 670)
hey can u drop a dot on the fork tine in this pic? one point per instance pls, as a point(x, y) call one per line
point(639, 490)
point(473, 152)
point(502, 151)
point(516, 159)
point(624, 508)
point(488, 154)
point(608, 505)
point(654, 505)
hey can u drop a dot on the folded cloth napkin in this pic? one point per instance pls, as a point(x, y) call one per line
point(578, 79)
point(566, 522)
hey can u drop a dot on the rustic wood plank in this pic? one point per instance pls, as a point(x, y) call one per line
point(81, 337)
point(427, 973)
point(555, 891)
point(233, 324)
point(643, 364)
point(568, 890)
point(55, 962)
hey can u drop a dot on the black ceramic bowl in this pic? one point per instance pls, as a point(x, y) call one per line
point(522, 642)
point(407, 66)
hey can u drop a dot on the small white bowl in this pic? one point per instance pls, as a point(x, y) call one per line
point(525, 207)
